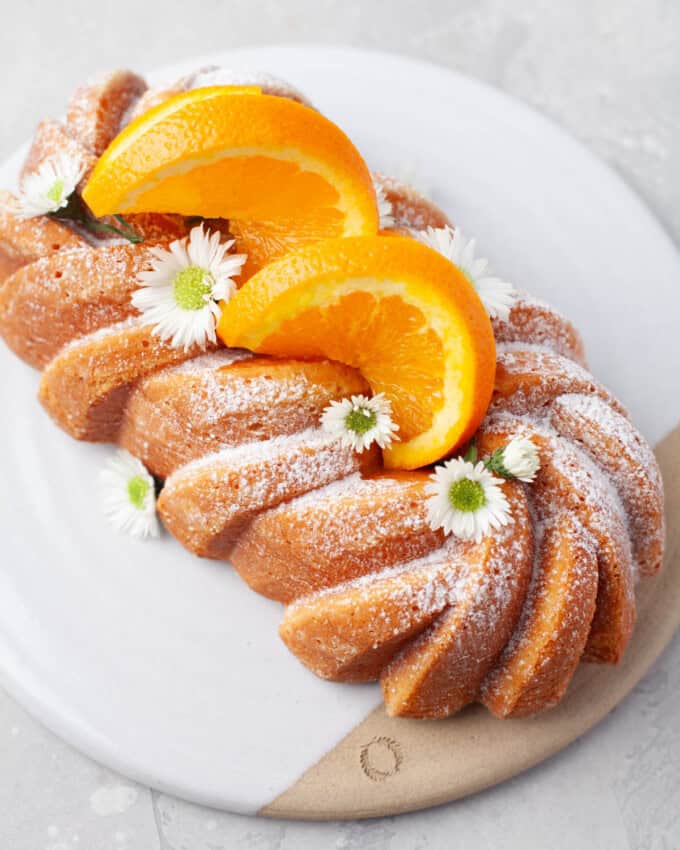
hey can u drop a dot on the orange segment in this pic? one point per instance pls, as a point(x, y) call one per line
point(282, 172)
point(399, 312)
point(264, 241)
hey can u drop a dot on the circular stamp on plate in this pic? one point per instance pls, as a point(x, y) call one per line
point(381, 758)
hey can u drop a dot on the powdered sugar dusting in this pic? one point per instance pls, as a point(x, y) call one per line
point(468, 636)
point(226, 399)
point(538, 661)
point(485, 582)
point(351, 528)
point(599, 478)
point(213, 75)
point(207, 501)
point(614, 444)
point(570, 481)
point(410, 209)
point(103, 333)
point(587, 484)
point(424, 598)
point(231, 77)
point(532, 321)
point(531, 376)
point(212, 360)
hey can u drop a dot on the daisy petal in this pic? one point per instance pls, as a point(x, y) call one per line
point(180, 293)
point(496, 295)
point(129, 496)
point(361, 421)
point(466, 500)
point(49, 188)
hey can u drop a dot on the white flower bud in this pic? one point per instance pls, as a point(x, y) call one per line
point(521, 460)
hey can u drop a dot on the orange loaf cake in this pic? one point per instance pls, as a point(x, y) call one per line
point(372, 591)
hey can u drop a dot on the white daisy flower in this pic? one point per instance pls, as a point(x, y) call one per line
point(180, 295)
point(496, 295)
point(519, 459)
point(129, 496)
point(467, 500)
point(385, 211)
point(361, 421)
point(48, 189)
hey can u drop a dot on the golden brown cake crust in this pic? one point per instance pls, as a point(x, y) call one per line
point(155, 96)
point(533, 322)
point(614, 444)
point(410, 209)
point(24, 240)
point(86, 387)
point(55, 300)
point(530, 378)
point(371, 590)
point(207, 504)
point(52, 138)
point(540, 659)
point(96, 109)
point(313, 543)
point(569, 481)
point(226, 399)
point(350, 632)
point(442, 670)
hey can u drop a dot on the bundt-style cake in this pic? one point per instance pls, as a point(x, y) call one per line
point(371, 589)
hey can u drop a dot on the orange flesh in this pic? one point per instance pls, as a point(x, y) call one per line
point(278, 168)
point(245, 192)
point(387, 340)
point(403, 315)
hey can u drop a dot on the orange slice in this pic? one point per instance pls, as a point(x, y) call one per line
point(282, 172)
point(399, 312)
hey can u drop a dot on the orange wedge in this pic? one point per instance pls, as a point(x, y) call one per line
point(393, 308)
point(283, 173)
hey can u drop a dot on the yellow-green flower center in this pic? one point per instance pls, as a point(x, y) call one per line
point(191, 286)
point(55, 191)
point(361, 420)
point(467, 495)
point(138, 487)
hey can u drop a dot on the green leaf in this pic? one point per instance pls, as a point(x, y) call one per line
point(471, 453)
point(76, 212)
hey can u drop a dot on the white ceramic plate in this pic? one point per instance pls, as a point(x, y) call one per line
point(168, 668)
